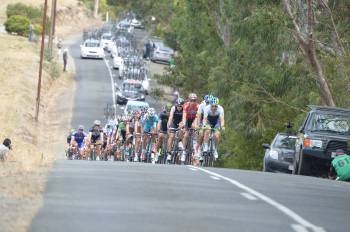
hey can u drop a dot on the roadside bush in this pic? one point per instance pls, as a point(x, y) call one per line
point(17, 24)
point(30, 12)
point(157, 93)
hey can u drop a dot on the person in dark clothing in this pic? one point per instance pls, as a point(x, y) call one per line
point(65, 59)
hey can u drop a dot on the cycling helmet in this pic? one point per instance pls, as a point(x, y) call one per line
point(192, 97)
point(151, 112)
point(214, 101)
point(167, 107)
point(97, 123)
point(180, 102)
point(207, 98)
point(72, 130)
point(81, 127)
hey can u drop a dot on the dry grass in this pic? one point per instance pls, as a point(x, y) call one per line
point(23, 176)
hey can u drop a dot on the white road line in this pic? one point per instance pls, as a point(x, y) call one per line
point(299, 228)
point(215, 177)
point(249, 196)
point(290, 213)
point(193, 169)
point(112, 83)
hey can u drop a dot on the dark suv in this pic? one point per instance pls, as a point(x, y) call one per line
point(325, 130)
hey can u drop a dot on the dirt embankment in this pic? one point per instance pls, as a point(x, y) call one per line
point(35, 145)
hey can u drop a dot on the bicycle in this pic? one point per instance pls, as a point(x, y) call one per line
point(175, 147)
point(93, 154)
point(162, 158)
point(190, 147)
point(208, 157)
point(149, 145)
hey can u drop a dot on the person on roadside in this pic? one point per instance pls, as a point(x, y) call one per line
point(5, 147)
point(65, 59)
point(340, 166)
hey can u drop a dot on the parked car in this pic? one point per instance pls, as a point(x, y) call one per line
point(324, 130)
point(92, 49)
point(279, 156)
point(135, 106)
point(117, 62)
point(107, 41)
point(161, 53)
point(130, 90)
point(136, 24)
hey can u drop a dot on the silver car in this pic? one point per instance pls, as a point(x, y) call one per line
point(161, 53)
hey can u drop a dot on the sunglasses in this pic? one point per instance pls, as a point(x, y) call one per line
point(192, 100)
point(214, 106)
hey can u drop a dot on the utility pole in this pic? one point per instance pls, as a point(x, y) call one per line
point(41, 62)
point(96, 8)
point(52, 26)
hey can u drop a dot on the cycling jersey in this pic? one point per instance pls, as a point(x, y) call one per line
point(164, 117)
point(341, 165)
point(150, 123)
point(177, 116)
point(213, 117)
point(201, 112)
point(95, 135)
point(79, 138)
point(122, 126)
point(191, 110)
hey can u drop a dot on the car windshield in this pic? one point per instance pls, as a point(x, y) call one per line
point(131, 108)
point(285, 142)
point(92, 44)
point(107, 37)
point(132, 87)
point(330, 123)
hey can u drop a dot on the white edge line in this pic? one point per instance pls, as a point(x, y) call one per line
point(249, 196)
point(268, 200)
point(193, 169)
point(215, 177)
point(112, 83)
point(298, 228)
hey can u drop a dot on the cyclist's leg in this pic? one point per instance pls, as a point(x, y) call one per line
point(206, 137)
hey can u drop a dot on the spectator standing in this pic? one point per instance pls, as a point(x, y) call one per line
point(5, 147)
point(65, 59)
point(31, 32)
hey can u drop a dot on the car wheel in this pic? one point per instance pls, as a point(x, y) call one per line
point(304, 165)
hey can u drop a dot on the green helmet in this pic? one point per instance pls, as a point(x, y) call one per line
point(167, 107)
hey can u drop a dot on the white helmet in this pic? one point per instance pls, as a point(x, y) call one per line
point(151, 112)
point(97, 123)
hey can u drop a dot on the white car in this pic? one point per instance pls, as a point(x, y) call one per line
point(114, 50)
point(136, 24)
point(117, 62)
point(132, 106)
point(92, 49)
point(107, 41)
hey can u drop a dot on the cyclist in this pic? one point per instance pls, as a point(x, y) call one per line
point(213, 119)
point(69, 147)
point(189, 115)
point(162, 126)
point(174, 122)
point(150, 122)
point(199, 124)
point(95, 138)
point(78, 141)
point(340, 166)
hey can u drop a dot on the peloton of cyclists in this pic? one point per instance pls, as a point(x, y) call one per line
point(183, 119)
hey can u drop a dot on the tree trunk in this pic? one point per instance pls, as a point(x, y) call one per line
point(96, 8)
point(303, 32)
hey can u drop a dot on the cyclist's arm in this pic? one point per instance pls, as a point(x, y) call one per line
point(198, 118)
point(222, 119)
point(158, 125)
point(170, 121)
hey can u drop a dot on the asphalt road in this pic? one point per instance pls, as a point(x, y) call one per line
point(111, 196)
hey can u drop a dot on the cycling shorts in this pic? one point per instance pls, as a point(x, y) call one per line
point(189, 123)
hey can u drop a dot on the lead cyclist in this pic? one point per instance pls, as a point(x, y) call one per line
point(213, 119)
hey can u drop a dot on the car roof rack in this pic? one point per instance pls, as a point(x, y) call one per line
point(328, 108)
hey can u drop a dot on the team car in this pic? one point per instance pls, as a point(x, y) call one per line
point(92, 49)
point(130, 90)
